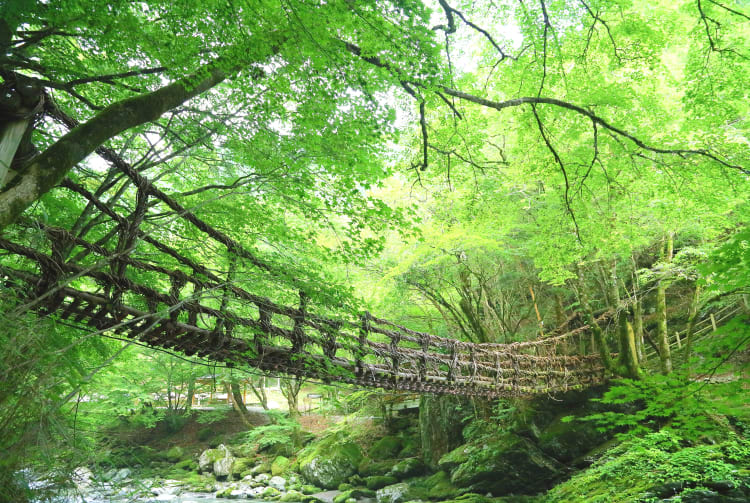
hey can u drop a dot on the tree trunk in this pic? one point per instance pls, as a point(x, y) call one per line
point(628, 356)
point(190, 394)
point(614, 289)
point(596, 331)
point(260, 392)
point(662, 334)
point(235, 396)
point(290, 389)
point(692, 313)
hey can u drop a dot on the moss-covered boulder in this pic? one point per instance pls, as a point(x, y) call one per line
point(210, 456)
point(357, 494)
point(242, 465)
point(308, 489)
point(567, 440)
point(368, 468)
point(453, 459)
point(407, 468)
point(270, 493)
point(439, 486)
point(379, 481)
point(188, 465)
point(174, 454)
point(330, 462)
point(292, 496)
point(510, 464)
point(470, 498)
point(280, 465)
point(385, 448)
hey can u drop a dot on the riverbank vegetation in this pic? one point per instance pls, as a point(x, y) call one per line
point(491, 172)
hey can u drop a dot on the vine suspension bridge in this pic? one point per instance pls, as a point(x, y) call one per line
point(102, 286)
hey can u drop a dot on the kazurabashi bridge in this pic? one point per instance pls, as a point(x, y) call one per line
point(178, 303)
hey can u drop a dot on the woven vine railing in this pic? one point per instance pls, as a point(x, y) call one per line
point(161, 297)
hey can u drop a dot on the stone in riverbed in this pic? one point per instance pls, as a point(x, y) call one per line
point(277, 483)
point(330, 462)
point(396, 493)
point(280, 465)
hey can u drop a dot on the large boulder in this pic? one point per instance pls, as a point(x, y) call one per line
point(330, 462)
point(174, 454)
point(277, 483)
point(567, 440)
point(218, 460)
point(455, 458)
point(508, 465)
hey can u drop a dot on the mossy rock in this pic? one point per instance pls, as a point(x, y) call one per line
point(454, 458)
point(368, 468)
point(395, 493)
point(270, 492)
point(568, 440)
point(410, 448)
point(242, 465)
point(380, 481)
point(510, 464)
point(174, 454)
point(308, 489)
point(292, 496)
point(411, 467)
point(385, 448)
point(357, 494)
point(470, 498)
point(345, 486)
point(187, 465)
point(280, 465)
point(330, 462)
point(439, 486)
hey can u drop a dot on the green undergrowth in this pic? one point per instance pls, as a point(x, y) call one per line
point(630, 471)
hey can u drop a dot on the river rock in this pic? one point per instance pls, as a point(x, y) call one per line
point(223, 464)
point(262, 478)
point(292, 496)
point(396, 493)
point(330, 462)
point(277, 483)
point(82, 478)
point(280, 465)
point(379, 481)
point(504, 466)
point(406, 468)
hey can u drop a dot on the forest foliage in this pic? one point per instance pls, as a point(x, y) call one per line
point(493, 171)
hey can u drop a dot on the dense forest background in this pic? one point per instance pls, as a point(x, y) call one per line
point(492, 171)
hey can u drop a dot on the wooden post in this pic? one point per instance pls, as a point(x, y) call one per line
point(679, 342)
point(713, 321)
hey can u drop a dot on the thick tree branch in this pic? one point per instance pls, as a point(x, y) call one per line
point(49, 168)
